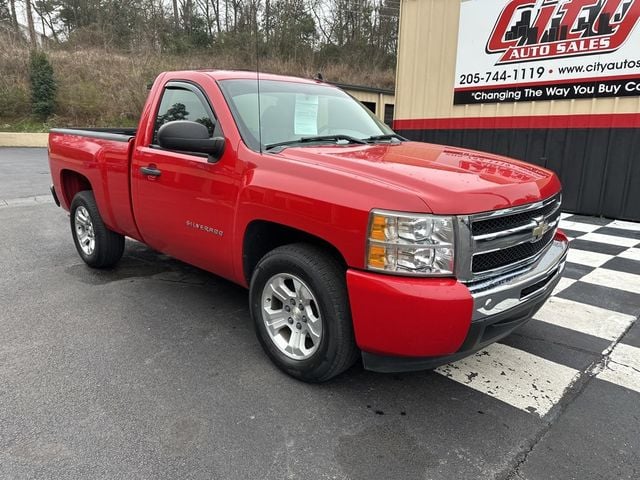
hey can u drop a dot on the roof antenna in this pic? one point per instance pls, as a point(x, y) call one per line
point(258, 85)
point(319, 77)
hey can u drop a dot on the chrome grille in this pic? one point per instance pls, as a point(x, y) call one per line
point(493, 225)
point(508, 256)
point(495, 243)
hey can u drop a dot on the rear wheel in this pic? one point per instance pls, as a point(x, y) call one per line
point(300, 309)
point(98, 246)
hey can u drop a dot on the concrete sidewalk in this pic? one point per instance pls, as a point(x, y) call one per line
point(15, 139)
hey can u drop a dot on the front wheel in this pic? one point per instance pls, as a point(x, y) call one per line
point(98, 246)
point(300, 309)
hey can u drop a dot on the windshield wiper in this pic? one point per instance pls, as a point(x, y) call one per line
point(390, 137)
point(319, 138)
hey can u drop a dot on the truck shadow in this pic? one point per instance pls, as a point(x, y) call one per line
point(140, 261)
point(195, 348)
point(143, 263)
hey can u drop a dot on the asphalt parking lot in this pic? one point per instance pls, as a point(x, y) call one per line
point(152, 370)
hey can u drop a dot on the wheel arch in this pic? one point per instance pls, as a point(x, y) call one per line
point(73, 182)
point(262, 236)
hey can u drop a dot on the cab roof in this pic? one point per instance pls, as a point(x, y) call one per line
point(253, 75)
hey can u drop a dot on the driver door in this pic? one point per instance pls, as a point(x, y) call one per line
point(182, 202)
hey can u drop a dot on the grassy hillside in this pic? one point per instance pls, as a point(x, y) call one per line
point(102, 88)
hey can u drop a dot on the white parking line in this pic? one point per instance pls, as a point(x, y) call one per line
point(513, 376)
point(614, 279)
point(610, 239)
point(563, 284)
point(16, 202)
point(625, 225)
point(623, 367)
point(583, 318)
point(584, 257)
point(632, 254)
point(578, 227)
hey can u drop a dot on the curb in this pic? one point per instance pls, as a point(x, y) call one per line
point(22, 201)
point(15, 139)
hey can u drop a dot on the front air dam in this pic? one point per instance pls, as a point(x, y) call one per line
point(407, 316)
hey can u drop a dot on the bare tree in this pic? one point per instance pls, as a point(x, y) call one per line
point(176, 14)
point(14, 17)
point(360, 33)
point(207, 12)
point(32, 30)
point(46, 10)
point(215, 5)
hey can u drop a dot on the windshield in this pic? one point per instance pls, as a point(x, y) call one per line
point(290, 112)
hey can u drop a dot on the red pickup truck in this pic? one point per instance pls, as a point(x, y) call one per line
point(353, 242)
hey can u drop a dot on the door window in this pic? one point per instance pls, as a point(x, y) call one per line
point(183, 104)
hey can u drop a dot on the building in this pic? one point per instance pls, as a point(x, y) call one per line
point(379, 100)
point(556, 83)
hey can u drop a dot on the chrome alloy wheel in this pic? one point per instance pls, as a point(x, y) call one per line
point(291, 316)
point(84, 230)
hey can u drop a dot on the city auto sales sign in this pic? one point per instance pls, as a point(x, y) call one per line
point(526, 50)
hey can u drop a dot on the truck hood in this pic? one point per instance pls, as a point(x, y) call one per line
point(449, 180)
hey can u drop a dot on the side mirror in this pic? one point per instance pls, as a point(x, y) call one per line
point(188, 136)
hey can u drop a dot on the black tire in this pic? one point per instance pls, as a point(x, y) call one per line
point(109, 245)
point(325, 277)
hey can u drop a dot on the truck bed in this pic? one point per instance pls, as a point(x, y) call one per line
point(103, 156)
point(117, 134)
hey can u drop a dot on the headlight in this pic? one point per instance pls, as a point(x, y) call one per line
point(410, 244)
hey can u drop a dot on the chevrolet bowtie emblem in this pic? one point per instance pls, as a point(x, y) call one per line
point(539, 230)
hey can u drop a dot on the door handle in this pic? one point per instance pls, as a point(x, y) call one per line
point(151, 171)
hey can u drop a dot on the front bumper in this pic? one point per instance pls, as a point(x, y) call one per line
point(404, 324)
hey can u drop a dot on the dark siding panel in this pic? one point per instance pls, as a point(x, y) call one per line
point(486, 141)
point(456, 137)
point(631, 207)
point(615, 183)
point(471, 138)
point(572, 166)
point(537, 148)
point(596, 157)
point(623, 176)
point(502, 142)
point(520, 144)
point(599, 168)
point(554, 142)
